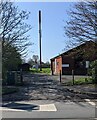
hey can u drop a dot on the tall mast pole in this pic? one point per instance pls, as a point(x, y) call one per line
point(40, 38)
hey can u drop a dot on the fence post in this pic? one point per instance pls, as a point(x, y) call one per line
point(21, 76)
point(73, 77)
point(60, 76)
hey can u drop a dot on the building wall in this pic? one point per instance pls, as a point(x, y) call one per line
point(67, 65)
point(75, 59)
point(56, 65)
point(53, 66)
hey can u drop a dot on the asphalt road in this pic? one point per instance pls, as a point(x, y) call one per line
point(78, 110)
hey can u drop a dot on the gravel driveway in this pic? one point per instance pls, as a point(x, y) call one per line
point(43, 87)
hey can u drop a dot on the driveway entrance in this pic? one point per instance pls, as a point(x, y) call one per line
point(43, 87)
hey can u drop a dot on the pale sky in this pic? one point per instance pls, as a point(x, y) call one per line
point(54, 17)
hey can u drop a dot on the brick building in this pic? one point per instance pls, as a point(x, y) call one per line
point(76, 59)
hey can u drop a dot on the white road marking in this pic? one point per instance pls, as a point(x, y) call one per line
point(92, 103)
point(48, 107)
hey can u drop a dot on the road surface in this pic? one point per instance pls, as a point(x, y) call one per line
point(43, 97)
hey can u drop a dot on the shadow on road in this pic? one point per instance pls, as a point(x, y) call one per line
point(21, 106)
point(42, 87)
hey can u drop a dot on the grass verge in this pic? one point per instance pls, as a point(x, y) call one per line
point(44, 70)
point(79, 81)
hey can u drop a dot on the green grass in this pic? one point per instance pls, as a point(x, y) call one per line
point(44, 70)
point(83, 81)
point(8, 90)
point(79, 81)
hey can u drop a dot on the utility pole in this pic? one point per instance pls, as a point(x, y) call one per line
point(40, 38)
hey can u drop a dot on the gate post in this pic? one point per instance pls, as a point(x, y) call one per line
point(60, 76)
point(21, 76)
point(73, 77)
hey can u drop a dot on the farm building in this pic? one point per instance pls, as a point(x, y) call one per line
point(76, 59)
point(24, 67)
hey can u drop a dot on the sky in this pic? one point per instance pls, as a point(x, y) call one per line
point(54, 17)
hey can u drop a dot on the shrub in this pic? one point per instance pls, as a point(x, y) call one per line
point(93, 71)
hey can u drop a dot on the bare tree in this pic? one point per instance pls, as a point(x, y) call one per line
point(35, 58)
point(82, 25)
point(13, 29)
point(31, 61)
point(13, 35)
